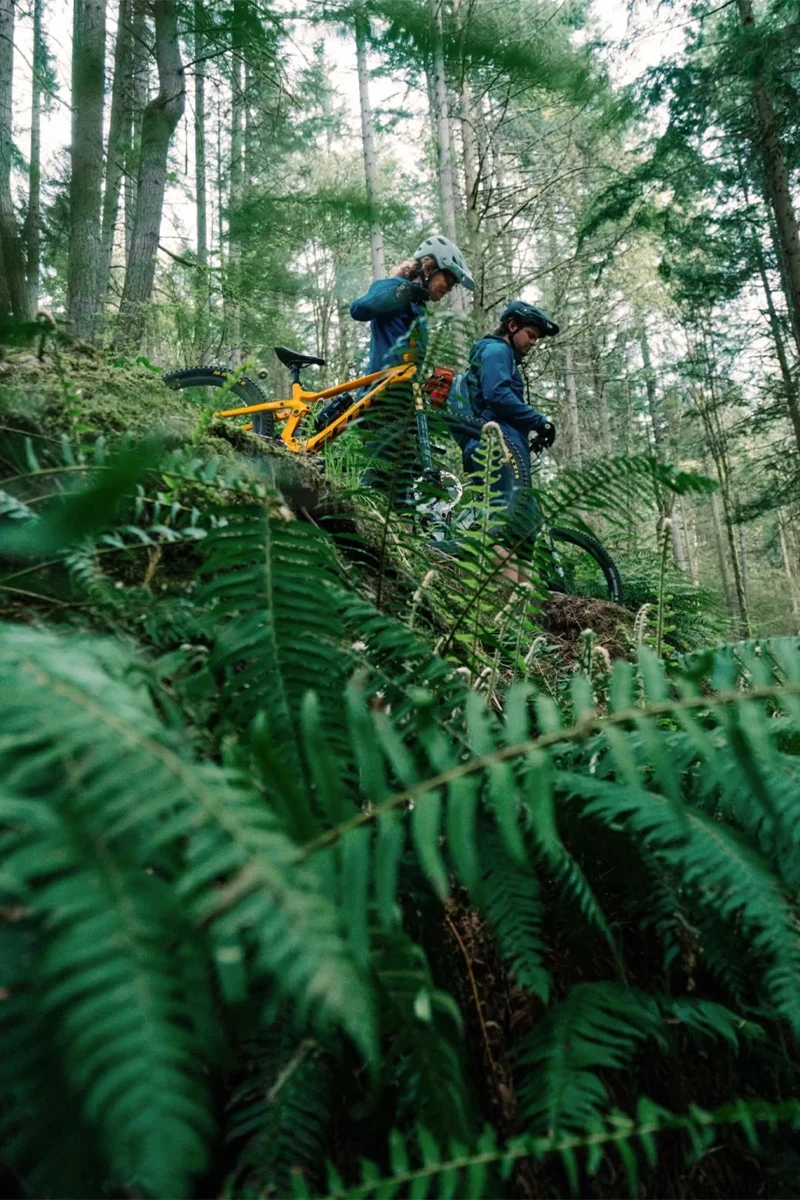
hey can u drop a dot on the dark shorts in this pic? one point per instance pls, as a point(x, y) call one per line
point(513, 484)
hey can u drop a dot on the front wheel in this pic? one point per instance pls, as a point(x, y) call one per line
point(581, 566)
point(200, 380)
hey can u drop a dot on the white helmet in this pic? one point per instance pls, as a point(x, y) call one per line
point(448, 257)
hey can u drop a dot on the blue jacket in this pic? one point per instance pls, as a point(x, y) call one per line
point(496, 391)
point(392, 306)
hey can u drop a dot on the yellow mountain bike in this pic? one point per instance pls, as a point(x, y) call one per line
point(580, 563)
point(330, 419)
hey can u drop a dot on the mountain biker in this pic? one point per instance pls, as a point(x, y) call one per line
point(394, 305)
point(395, 309)
point(495, 392)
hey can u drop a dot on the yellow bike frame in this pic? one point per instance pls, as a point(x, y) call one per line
point(293, 410)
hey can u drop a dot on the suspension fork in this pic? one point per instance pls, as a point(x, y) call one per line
point(429, 469)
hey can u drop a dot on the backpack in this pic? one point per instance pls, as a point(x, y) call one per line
point(460, 408)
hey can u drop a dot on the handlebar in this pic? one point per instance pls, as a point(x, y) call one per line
point(473, 429)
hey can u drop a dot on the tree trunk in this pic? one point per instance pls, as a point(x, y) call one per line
point(86, 175)
point(441, 118)
point(719, 455)
point(158, 125)
point(789, 382)
point(16, 285)
point(368, 145)
point(658, 423)
point(5, 298)
point(738, 576)
point(472, 177)
point(656, 416)
point(690, 528)
point(678, 552)
point(787, 564)
point(776, 176)
point(722, 556)
point(33, 221)
point(505, 237)
point(219, 175)
point(201, 283)
point(601, 400)
point(572, 408)
point(236, 187)
point(137, 97)
point(118, 137)
point(742, 549)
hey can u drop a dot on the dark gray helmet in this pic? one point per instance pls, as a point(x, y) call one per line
point(526, 314)
point(448, 257)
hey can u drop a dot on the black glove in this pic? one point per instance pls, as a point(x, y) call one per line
point(416, 292)
point(545, 435)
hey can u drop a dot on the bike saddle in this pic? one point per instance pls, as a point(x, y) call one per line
point(293, 358)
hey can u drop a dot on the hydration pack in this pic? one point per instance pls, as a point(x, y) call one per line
point(459, 406)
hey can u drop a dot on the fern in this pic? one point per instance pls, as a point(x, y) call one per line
point(514, 908)
point(596, 1026)
point(122, 1016)
point(281, 1112)
point(89, 746)
point(422, 1028)
point(269, 584)
point(454, 1169)
point(599, 487)
point(214, 846)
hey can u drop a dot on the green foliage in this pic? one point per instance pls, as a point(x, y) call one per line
point(693, 614)
point(281, 1112)
point(433, 1172)
point(227, 829)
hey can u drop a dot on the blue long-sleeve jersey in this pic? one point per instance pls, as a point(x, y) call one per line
point(392, 306)
point(496, 391)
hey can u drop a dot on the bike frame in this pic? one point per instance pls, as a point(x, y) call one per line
point(292, 411)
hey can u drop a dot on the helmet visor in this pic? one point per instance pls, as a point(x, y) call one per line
point(464, 279)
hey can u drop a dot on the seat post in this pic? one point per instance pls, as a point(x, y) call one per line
point(295, 369)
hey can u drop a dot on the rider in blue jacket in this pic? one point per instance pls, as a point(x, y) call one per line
point(496, 392)
point(393, 306)
point(395, 309)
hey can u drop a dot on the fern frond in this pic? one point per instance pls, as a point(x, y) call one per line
point(278, 630)
point(513, 906)
point(599, 487)
point(727, 876)
point(453, 1169)
point(67, 517)
point(71, 716)
point(597, 1026)
point(281, 1112)
point(710, 1020)
point(397, 662)
point(104, 980)
point(423, 1033)
point(14, 508)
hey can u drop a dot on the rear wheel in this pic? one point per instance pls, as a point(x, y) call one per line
point(201, 381)
point(582, 567)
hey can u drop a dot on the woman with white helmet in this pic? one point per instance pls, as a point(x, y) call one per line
point(395, 309)
point(394, 305)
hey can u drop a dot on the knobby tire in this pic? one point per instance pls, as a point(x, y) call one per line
point(596, 551)
point(244, 390)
